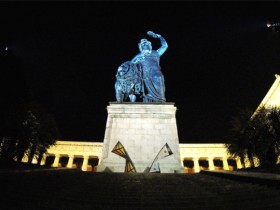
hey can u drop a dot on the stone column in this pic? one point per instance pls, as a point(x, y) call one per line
point(85, 163)
point(56, 160)
point(238, 163)
point(182, 162)
point(211, 164)
point(93, 168)
point(196, 165)
point(225, 164)
point(70, 161)
point(43, 161)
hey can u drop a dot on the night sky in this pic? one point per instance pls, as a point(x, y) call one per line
point(221, 58)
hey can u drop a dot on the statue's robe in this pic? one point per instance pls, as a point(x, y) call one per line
point(153, 78)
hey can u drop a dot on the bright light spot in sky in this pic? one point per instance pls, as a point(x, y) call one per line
point(6, 48)
point(272, 24)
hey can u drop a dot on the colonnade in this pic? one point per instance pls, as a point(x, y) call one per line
point(73, 150)
point(196, 162)
point(196, 154)
point(211, 166)
point(209, 154)
point(70, 162)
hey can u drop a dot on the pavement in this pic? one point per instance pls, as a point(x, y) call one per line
point(73, 189)
point(269, 179)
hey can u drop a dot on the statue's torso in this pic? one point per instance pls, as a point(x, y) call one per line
point(150, 65)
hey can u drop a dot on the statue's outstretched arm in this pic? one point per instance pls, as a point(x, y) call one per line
point(164, 45)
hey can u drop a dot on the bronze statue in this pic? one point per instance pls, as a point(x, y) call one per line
point(143, 74)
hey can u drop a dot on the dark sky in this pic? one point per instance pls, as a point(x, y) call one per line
point(221, 57)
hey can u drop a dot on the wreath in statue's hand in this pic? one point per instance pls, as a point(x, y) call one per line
point(154, 35)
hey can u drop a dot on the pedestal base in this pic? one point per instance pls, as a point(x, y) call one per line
point(143, 130)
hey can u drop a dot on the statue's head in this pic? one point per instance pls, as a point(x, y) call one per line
point(123, 68)
point(145, 45)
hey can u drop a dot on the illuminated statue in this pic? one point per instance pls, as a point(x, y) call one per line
point(128, 83)
point(148, 60)
point(142, 75)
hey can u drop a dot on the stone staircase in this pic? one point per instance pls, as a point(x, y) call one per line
point(73, 189)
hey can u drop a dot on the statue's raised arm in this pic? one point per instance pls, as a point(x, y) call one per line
point(163, 42)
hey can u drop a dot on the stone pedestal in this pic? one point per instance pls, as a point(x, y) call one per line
point(143, 129)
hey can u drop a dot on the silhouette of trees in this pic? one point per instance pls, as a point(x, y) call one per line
point(30, 133)
point(267, 124)
point(39, 132)
point(13, 94)
point(255, 134)
point(240, 139)
point(25, 128)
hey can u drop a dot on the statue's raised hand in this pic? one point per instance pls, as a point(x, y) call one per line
point(154, 35)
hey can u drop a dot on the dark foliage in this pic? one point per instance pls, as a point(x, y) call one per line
point(25, 128)
point(256, 135)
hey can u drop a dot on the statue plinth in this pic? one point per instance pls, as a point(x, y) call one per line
point(143, 129)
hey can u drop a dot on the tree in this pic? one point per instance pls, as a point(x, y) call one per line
point(48, 134)
point(24, 127)
point(275, 124)
point(267, 132)
point(13, 88)
point(10, 131)
point(40, 131)
point(30, 131)
point(239, 141)
point(257, 135)
point(33, 128)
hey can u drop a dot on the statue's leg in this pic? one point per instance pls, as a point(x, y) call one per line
point(118, 97)
point(123, 97)
point(118, 90)
point(132, 97)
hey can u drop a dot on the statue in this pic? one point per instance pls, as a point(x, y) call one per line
point(142, 76)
